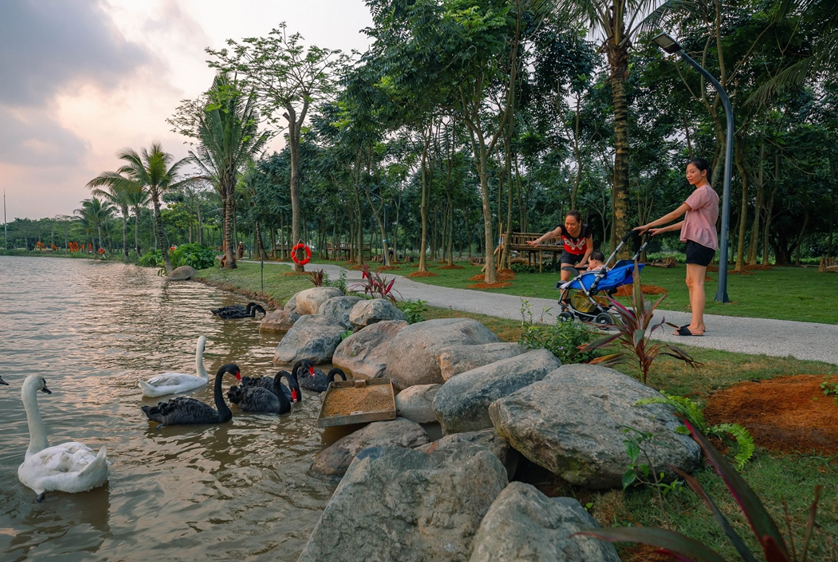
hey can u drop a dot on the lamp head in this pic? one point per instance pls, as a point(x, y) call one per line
point(667, 43)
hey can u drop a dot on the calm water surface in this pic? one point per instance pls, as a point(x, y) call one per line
point(235, 491)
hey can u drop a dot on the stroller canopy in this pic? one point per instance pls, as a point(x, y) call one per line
point(621, 274)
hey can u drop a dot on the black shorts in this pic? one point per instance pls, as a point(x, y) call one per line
point(572, 259)
point(698, 254)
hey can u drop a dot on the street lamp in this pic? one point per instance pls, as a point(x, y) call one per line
point(671, 46)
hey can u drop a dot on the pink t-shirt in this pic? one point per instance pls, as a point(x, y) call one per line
point(700, 221)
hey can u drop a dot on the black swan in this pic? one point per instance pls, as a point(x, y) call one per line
point(184, 411)
point(238, 311)
point(257, 400)
point(292, 391)
point(315, 379)
point(3, 382)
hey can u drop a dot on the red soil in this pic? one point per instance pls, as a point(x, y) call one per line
point(421, 274)
point(784, 414)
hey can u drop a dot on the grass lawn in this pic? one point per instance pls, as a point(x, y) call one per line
point(782, 293)
point(776, 478)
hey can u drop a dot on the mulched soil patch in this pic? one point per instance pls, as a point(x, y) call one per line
point(386, 268)
point(502, 275)
point(781, 414)
point(489, 285)
point(421, 274)
point(626, 290)
point(758, 267)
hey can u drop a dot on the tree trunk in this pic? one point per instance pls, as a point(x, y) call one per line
point(294, 149)
point(159, 221)
point(743, 207)
point(754, 242)
point(227, 191)
point(423, 266)
point(125, 212)
point(618, 60)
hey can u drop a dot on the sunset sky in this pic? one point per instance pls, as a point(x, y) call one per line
point(82, 79)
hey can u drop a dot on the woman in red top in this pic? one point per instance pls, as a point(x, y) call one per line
point(577, 239)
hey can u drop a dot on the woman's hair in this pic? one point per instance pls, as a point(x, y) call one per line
point(702, 165)
point(575, 214)
point(597, 255)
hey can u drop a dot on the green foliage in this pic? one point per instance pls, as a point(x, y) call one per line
point(690, 411)
point(523, 268)
point(563, 339)
point(830, 387)
point(340, 283)
point(633, 332)
point(318, 277)
point(684, 548)
point(413, 310)
point(193, 255)
point(638, 443)
point(345, 334)
point(152, 258)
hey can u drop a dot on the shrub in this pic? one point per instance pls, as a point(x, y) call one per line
point(562, 339)
point(413, 310)
point(152, 258)
point(193, 255)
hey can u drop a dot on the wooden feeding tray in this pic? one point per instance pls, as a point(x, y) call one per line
point(357, 401)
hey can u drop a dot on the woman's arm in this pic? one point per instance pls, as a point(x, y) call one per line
point(551, 234)
point(670, 228)
point(589, 247)
point(669, 217)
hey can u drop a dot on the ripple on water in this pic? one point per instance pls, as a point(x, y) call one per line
point(236, 491)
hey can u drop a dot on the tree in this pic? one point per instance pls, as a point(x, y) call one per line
point(225, 123)
point(95, 213)
point(123, 194)
point(151, 170)
point(286, 78)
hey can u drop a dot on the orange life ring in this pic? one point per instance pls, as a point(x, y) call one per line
point(294, 251)
point(101, 251)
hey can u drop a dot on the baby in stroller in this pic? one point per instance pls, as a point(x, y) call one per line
point(581, 296)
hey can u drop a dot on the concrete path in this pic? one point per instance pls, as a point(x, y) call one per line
point(775, 338)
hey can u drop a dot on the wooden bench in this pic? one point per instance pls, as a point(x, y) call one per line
point(344, 249)
point(518, 242)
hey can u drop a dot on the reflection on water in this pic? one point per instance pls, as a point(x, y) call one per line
point(235, 491)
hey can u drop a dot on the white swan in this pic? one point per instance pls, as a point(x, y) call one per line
point(70, 467)
point(173, 383)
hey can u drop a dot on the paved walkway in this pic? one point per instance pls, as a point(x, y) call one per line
point(775, 338)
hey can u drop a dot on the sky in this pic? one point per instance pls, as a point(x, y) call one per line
point(81, 80)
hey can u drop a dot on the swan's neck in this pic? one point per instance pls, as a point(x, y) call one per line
point(199, 363)
point(224, 413)
point(37, 432)
point(283, 400)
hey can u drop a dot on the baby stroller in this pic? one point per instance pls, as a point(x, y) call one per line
point(581, 296)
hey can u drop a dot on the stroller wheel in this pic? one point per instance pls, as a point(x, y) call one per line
point(565, 317)
point(603, 319)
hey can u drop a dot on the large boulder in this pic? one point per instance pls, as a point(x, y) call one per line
point(401, 504)
point(462, 403)
point(364, 353)
point(572, 423)
point(416, 403)
point(312, 337)
point(309, 301)
point(291, 305)
point(525, 525)
point(338, 308)
point(278, 321)
point(458, 359)
point(368, 312)
point(334, 460)
point(487, 438)
point(411, 357)
point(182, 273)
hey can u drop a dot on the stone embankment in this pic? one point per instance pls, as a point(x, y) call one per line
point(403, 497)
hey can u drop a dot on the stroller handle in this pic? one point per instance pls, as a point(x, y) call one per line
point(629, 235)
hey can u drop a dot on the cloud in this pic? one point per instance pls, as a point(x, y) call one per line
point(48, 46)
point(34, 138)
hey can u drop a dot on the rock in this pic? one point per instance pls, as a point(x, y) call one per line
point(364, 353)
point(309, 301)
point(334, 460)
point(525, 525)
point(485, 438)
point(337, 308)
point(279, 321)
point(401, 504)
point(312, 337)
point(572, 422)
point(182, 273)
point(368, 312)
point(291, 305)
point(411, 358)
point(416, 403)
point(462, 403)
point(461, 358)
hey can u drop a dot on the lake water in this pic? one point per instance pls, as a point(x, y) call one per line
point(237, 491)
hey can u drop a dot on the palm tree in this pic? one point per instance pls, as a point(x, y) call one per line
point(121, 194)
point(152, 172)
point(94, 213)
point(228, 130)
point(617, 21)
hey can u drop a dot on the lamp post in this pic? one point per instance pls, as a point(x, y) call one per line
point(671, 46)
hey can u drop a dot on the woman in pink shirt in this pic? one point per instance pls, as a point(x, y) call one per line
point(698, 230)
